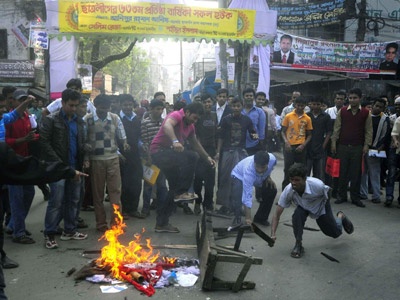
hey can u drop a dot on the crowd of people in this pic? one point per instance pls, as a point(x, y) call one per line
point(223, 144)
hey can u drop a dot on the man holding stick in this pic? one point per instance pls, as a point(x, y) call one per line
point(311, 197)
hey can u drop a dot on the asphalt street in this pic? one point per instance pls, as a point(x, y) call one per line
point(368, 268)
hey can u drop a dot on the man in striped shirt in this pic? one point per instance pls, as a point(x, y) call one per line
point(149, 128)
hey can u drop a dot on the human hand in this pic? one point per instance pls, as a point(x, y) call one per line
point(300, 148)
point(211, 162)
point(178, 147)
point(333, 148)
point(79, 174)
point(127, 147)
point(216, 157)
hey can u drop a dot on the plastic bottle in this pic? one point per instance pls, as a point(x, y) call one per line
point(172, 279)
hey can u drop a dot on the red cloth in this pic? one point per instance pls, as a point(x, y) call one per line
point(151, 275)
point(20, 128)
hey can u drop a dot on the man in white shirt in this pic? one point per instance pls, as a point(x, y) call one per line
point(290, 107)
point(310, 195)
point(73, 84)
point(221, 108)
point(340, 97)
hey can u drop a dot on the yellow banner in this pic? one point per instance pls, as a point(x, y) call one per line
point(154, 19)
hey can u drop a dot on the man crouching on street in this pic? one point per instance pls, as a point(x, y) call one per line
point(252, 171)
point(311, 197)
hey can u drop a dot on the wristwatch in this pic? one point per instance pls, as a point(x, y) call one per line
point(175, 141)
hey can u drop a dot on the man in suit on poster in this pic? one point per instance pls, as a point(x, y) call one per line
point(285, 55)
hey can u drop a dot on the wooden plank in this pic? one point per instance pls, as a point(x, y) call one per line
point(239, 281)
point(236, 259)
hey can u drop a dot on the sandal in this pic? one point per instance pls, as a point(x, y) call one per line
point(347, 225)
point(297, 251)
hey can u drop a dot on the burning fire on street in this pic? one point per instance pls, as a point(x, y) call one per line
point(137, 263)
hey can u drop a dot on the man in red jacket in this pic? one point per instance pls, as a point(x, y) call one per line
point(18, 135)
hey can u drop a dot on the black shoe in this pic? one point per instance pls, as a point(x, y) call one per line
point(347, 225)
point(225, 211)
point(388, 203)
point(81, 223)
point(376, 201)
point(23, 240)
point(236, 223)
point(339, 201)
point(46, 193)
point(197, 209)
point(358, 203)
point(153, 205)
point(187, 210)
point(8, 263)
point(297, 251)
point(264, 223)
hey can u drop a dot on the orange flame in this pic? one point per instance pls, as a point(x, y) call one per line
point(116, 255)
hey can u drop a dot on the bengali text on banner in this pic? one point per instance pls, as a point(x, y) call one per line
point(144, 18)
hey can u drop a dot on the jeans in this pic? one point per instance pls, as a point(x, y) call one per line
point(267, 199)
point(178, 168)
point(373, 172)
point(63, 204)
point(393, 161)
point(328, 224)
point(21, 197)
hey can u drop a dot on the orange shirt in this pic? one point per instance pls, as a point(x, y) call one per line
point(297, 127)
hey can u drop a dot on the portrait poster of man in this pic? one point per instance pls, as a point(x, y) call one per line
point(390, 62)
point(380, 60)
point(284, 55)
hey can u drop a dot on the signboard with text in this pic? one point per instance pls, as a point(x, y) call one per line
point(17, 69)
point(154, 19)
point(294, 52)
point(310, 15)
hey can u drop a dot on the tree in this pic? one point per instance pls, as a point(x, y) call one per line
point(118, 57)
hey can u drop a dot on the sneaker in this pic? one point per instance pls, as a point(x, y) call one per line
point(167, 228)
point(23, 240)
point(185, 197)
point(50, 242)
point(73, 236)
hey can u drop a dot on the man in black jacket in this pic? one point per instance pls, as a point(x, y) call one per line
point(131, 167)
point(62, 139)
point(15, 169)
